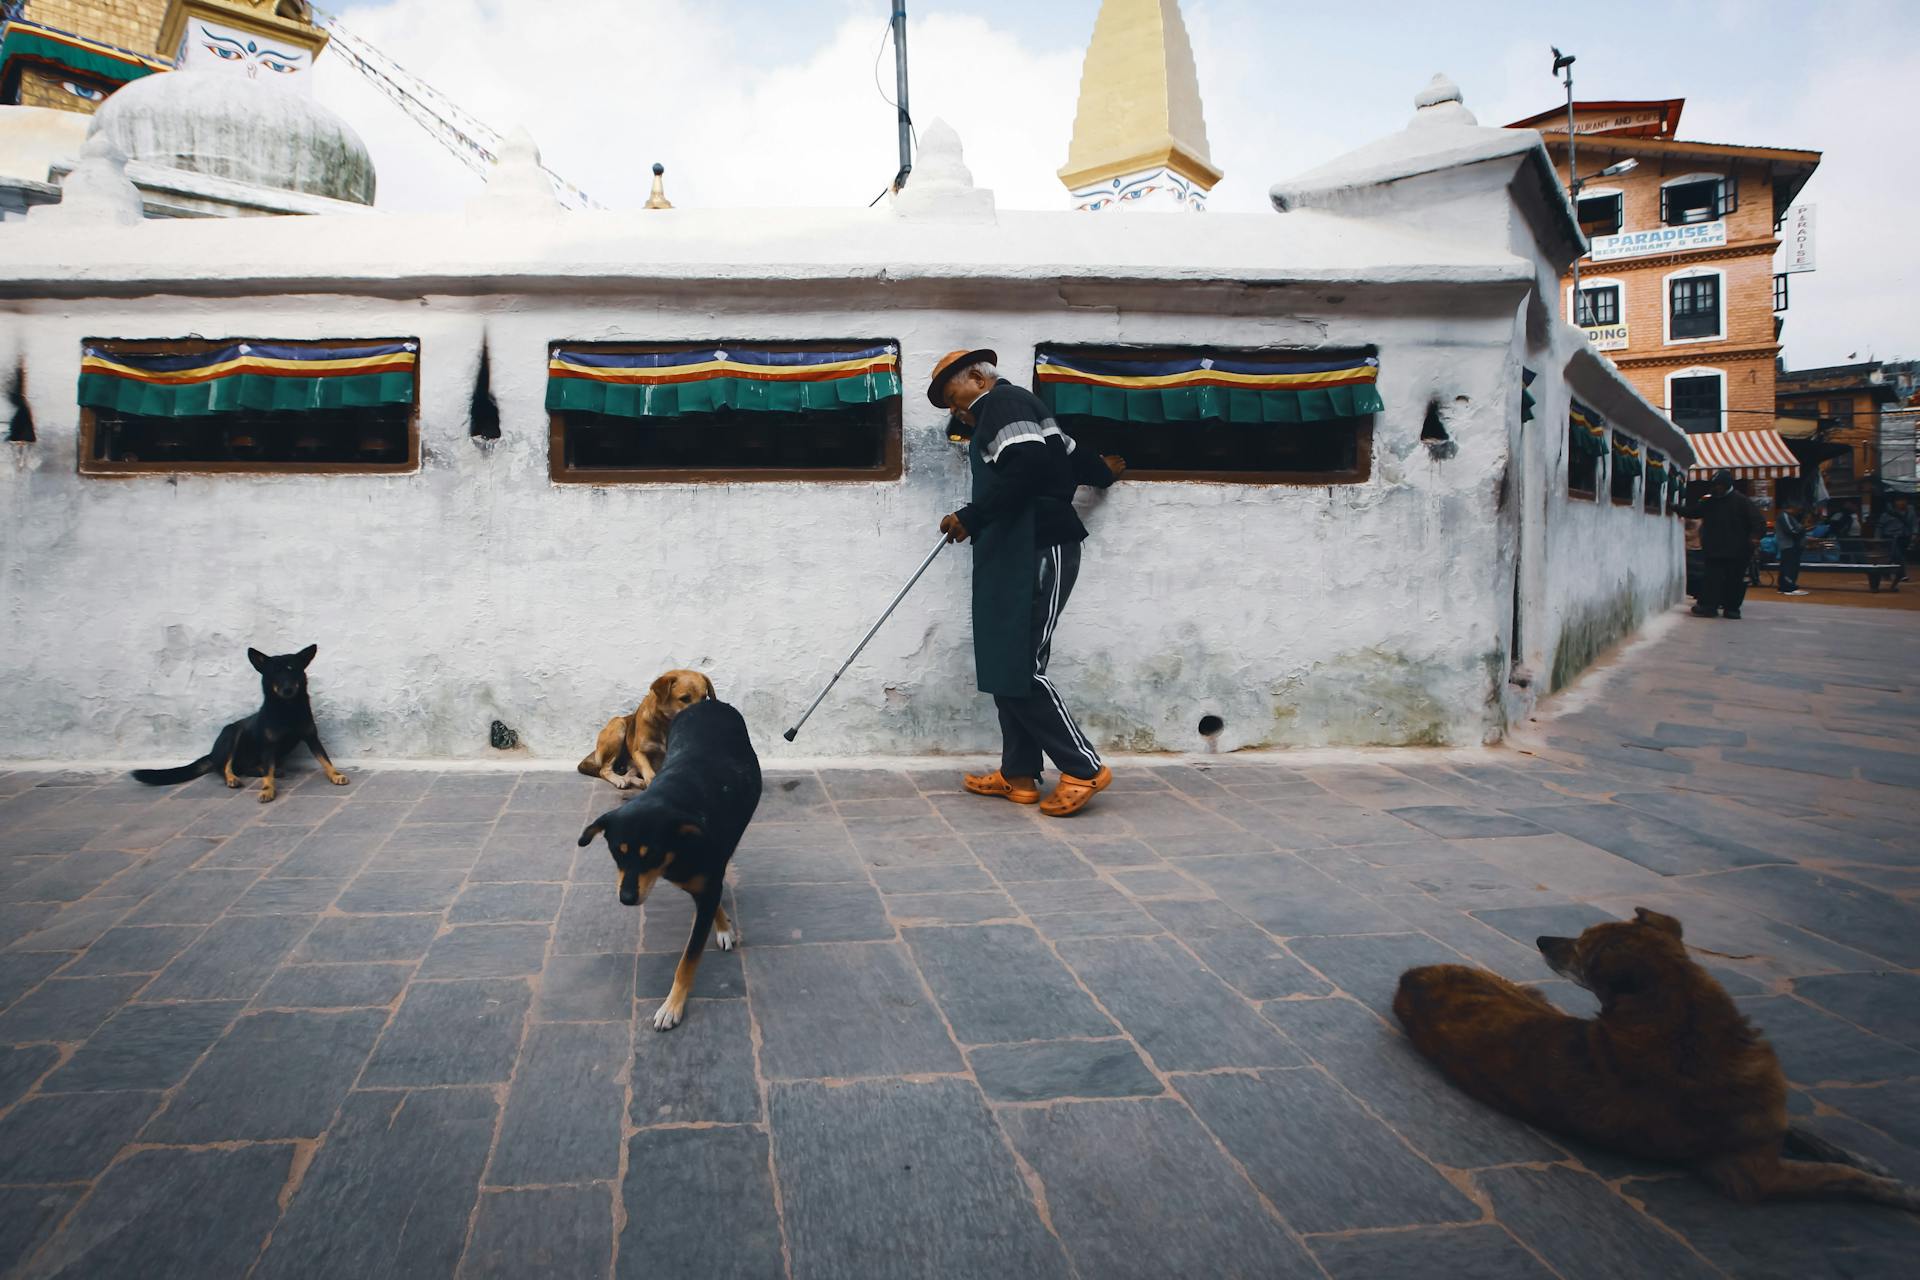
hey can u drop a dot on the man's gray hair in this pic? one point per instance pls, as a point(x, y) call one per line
point(985, 369)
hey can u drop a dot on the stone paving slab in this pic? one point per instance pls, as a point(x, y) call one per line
point(959, 1038)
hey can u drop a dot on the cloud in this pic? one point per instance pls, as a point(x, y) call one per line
point(622, 85)
point(776, 106)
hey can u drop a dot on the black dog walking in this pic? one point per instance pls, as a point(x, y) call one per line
point(255, 746)
point(685, 827)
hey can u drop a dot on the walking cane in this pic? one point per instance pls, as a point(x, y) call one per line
point(938, 547)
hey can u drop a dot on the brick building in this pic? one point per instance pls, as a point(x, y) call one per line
point(1848, 400)
point(1678, 286)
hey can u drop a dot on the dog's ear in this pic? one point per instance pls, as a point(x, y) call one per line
point(1653, 919)
point(258, 659)
point(661, 690)
point(594, 828)
point(707, 685)
point(305, 656)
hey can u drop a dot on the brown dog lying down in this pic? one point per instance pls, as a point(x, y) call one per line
point(639, 742)
point(1670, 1070)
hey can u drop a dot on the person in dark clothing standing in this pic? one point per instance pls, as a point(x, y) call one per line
point(1730, 526)
point(1790, 536)
point(1897, 524)
point(1026, 556)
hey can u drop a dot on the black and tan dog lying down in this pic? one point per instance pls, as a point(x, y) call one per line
point(1670, 1070)
point(684, 828)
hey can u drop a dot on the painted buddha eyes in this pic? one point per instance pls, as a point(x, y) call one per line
point(231, 55)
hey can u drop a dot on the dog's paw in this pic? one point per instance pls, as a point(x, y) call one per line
point(234, 784)
point(666, 1017)
point(727, 939)
point(338, 779)
point(266, 797)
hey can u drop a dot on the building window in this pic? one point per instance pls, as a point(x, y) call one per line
point(1841, 411)
point(1695, 402)
point(1599, 305)
point(1840, 467)
point(1626, 470)
point(1780, 291)
point(1600, 215)
point(1694, 306)
point(724, 412)
point(1586, 446)
point(249, 405)
point(1697, 199)
point(1248, 416)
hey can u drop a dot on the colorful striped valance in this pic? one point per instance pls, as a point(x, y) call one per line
point(1656, 473)
point(707, 379)
point(1626, 457)
point(41, 43)
point(269, 376)
point(1244, 387)
point(1586, 431)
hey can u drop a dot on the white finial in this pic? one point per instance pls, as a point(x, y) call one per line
point(1440, 103)
point(518, 184)
point(940, 184)
point(98, 191)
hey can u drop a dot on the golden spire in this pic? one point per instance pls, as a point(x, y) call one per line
point(1139, 99)
point(657, 198)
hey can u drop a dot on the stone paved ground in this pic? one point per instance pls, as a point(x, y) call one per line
point(400, 1029)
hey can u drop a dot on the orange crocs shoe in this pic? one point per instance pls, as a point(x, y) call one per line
point(1072, 794)
point(993, 784)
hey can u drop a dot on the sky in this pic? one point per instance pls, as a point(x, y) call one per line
point(774, 103)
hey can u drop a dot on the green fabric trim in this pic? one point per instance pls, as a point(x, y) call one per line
point(1585, 442)
point(244, 391)
point(676, 399)
point(1196, 404)
point(24, 43)
point(1625, 464)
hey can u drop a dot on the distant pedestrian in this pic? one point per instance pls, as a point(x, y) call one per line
point(1897, 524)
point(1730, 527)
point(1790, 539)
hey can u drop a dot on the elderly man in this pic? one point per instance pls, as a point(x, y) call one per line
point(1026, 555)
point(1730, 527)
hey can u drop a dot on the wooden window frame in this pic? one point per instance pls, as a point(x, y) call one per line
point(1363, 426)
point(100, 469)
point(892, 467)
point(1590, 226)
point(1720, 413)
point(1574, 490)
point(1614, 475)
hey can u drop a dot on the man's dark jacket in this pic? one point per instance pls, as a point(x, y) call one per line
point(1024, 470)
point(1730, 525)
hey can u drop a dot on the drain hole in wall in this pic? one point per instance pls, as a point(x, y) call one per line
point(501, 738)
point(1433, 431)
point(1211, 725)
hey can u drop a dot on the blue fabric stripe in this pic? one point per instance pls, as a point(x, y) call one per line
point(155, 363)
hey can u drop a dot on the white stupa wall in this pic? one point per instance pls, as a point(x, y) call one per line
point(477, 589)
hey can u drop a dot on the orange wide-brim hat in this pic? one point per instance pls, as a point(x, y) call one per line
point(951, 363)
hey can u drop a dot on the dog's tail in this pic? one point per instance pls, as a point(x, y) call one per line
point(590, 766)
point(167, 777)
point(595, 827)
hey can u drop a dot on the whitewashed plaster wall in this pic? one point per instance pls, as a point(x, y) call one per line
point(478, 590)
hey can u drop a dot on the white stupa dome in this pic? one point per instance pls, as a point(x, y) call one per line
point(244, 130)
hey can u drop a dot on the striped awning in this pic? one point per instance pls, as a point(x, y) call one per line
point(1750, 455)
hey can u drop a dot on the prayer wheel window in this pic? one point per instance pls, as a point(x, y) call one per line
point(724, 412)
point(249, 406)
point(1213, 414)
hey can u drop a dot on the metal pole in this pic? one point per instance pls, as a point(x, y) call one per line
point(938, 547)
point(1573, 185)
point(900, 92)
